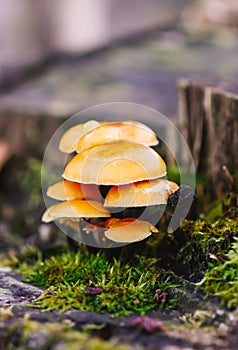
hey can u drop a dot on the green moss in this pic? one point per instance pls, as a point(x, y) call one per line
point(222, 278)
point(210, 251)
point(190, 252)
point(200, 241)
point(126, 288)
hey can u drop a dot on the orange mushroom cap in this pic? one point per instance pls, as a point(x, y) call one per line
point(70, 222)
point(115, 131)
point(114, 164)
point(68, 190)
point(129, 230)
point(75, 209)
point(70, 138)
point(140, 194)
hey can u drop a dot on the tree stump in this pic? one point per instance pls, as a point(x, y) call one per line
point(208, 119)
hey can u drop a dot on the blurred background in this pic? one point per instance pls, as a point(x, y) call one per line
point(58, 57)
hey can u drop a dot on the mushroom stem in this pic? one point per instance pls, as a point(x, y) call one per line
point(112, 253)
point(131, 250)
point(126, 252)
point(72, 244)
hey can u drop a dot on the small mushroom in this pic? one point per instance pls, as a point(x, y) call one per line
point(68, 190)
point(115, 163)
point(140, 194)
point(115, 131)
point(129, 230)
point(70, 138)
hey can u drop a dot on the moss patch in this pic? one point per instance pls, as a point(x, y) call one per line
point(222, 278)
point(89, 282)
point(199, 250)
point(204, 242)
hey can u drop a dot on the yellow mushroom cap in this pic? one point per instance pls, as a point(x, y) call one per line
point(129, 230)
point(68, 190)
point(117, 131)
point(140, 194)
point(77, 208)
point(70, 138)
point(115, 163)
point(70, 222)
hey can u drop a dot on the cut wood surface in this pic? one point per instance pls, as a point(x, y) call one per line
point(208, 118)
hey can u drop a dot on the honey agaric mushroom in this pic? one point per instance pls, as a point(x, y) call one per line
point(115, 163)
point(72, 135)
point(113, 154)
point(68, 190)
point(140, 194)
point(115, 131)
point(129, 230)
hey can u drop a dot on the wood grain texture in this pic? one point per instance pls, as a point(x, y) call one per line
point(208, 118)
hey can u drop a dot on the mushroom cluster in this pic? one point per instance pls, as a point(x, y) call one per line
point(115, 158)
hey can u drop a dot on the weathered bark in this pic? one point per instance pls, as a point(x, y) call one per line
point(208, 119)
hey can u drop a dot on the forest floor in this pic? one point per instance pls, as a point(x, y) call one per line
point(142, 72)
